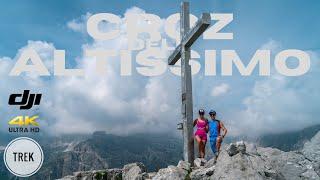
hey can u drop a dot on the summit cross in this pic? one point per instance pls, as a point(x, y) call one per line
point(188, 37)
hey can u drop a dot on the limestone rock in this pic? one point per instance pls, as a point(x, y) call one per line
point(232, 149)
point(210, 163)
point(149, 176)
point(202, 173)
point(243, 166)
point(184, 165)
point(68, 178)
point(241, 147)
point(199, 162)
point(133, 171)
point(171, 172)
point(293, 165)
point(112, 174)
point(311, 150)
point(238, 161)
point(252, 149)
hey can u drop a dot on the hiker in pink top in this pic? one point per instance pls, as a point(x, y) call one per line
point(201, 133)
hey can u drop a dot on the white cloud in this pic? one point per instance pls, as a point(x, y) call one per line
point(122, 105)
point(272, 45)
point(220, 90)
point(118, 105)
point(278, 103)
point(79, 24)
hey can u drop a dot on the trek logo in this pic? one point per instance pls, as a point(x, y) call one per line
point(23, 157)
point(27, 100)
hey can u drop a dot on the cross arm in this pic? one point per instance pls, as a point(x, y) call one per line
point(201, 25)
point(175, 56)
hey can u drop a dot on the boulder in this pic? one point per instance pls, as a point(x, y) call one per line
point(184, 165)
point(243, 166)
point(293, 164)
point(68, 178)
point(210, 163)
point(251, 149)
point(149, 176)
point(232, 149)
point(171, 172)
point(241, 147)
point(238, 147)
point(133, 171)
point(202, 173)
point(310, 174)
point(311, 150)
point(112, 174)
point(199, 162)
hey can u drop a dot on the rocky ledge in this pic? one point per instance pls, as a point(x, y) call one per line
point(236, 161)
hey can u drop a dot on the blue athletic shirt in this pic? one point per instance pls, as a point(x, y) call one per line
point(214, 128)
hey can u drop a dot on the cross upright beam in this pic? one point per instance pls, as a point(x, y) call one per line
point(188, 37)
point(186, 87)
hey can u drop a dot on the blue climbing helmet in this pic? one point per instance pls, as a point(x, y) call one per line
point(212, 112)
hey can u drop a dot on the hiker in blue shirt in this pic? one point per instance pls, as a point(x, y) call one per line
point(215, 136)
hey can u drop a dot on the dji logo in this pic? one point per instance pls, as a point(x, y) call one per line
point(25, 100)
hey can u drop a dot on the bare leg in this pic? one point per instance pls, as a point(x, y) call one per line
point(204, 148)
point(198, 139)
point(202, 153)
point(218, 144)
point(200, 149)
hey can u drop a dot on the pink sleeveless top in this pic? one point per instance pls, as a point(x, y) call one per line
point(201, 124)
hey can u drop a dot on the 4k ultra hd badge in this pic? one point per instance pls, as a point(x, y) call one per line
point(23, 157)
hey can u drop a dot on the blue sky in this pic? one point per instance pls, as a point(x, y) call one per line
point(264, 23)
point(255, 21)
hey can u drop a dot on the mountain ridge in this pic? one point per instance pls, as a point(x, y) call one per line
point(237, 161)
point(71, 153)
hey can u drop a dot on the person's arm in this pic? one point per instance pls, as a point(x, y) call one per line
point(224, 129)
point(195, 122)
point(207, 126)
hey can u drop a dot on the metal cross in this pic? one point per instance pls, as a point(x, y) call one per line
point(188, 37)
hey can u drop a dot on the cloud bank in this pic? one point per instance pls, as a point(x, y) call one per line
point(124, 105)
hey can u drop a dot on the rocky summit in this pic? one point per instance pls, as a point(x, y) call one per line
point(240, 160)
